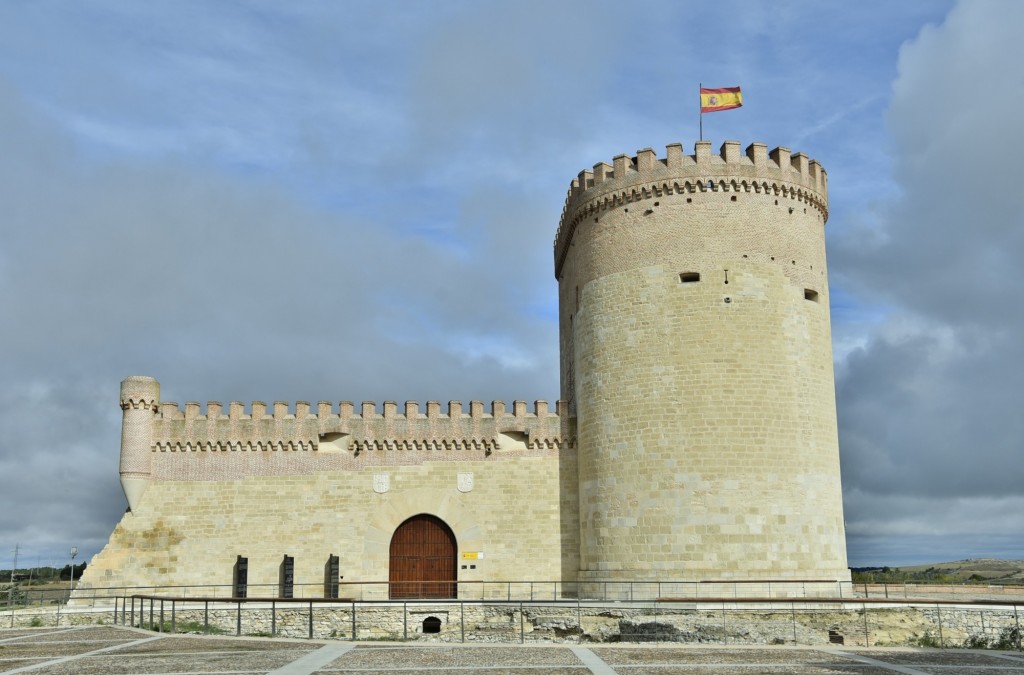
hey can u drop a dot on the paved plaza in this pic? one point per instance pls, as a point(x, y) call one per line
point(108, 649)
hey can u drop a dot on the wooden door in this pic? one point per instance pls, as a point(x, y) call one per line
point(423, 561)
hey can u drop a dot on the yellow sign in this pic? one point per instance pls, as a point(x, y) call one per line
point(472, 555)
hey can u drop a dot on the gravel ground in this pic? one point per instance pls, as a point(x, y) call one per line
point(114, 650)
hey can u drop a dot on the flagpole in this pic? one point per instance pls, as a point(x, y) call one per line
point(700, 108)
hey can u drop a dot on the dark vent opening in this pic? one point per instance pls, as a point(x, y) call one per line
point(834, 637)
point(431, 625)
point(810, 295)
point(689, 277)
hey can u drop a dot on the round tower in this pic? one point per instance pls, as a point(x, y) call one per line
point(140, 399)
point(697, 359)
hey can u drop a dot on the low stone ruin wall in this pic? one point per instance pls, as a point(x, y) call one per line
point(802, 624)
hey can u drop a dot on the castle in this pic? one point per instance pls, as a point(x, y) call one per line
point(696, 439)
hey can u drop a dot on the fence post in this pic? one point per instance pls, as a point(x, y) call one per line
point(725, 632)
point(273, 618)
point(867, 634)
point(206, 616)
point(174, 623)
point(792, 607)
point(1016, 620)
point(151, 614)
point(579, 616)
point(938, 610)
point(353, 620)
point(462, 611)
point(310, 619)
point(405, 621)
point(238, 618)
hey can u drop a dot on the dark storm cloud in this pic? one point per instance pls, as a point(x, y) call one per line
point(930, 405)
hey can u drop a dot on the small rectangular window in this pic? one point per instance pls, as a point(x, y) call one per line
point(689, 277)
point(240, 576)
point(331, 572)
point(810, 295)
point(286, 582)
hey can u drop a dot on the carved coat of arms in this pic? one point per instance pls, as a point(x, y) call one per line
point(465, 482)
point(381, 483)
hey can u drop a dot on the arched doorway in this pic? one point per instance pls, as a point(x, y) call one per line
point(423, 561)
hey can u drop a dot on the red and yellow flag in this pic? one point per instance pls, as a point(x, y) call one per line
point(713, 100)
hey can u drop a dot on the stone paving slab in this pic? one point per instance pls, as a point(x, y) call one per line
point(758, 669)
point(17, 632)
point(196, 643)
point(113, 664)
point(66, 634)
point(50, 649)
point(6, 665)
point(501, 670)
point(616, 656)
point(455, 657)
point(937, 657)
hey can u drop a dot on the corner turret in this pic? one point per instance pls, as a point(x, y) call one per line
point(140, 400)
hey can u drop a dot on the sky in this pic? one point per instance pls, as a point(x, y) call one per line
point(320, 200)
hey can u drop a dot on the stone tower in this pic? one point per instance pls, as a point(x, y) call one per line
point(697, 359)
point(140, 400)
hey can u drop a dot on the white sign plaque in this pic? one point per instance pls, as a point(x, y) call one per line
point(381, 483)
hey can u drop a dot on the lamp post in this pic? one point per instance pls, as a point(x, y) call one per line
point(74, 552)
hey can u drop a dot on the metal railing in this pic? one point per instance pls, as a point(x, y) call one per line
point(517, 590)
point(527, 590)
point(805, 621)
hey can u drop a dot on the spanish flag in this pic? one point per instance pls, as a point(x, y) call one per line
point(713, 100)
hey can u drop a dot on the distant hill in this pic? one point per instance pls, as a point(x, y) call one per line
point(975, 570)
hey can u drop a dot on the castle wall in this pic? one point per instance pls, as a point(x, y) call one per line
point(336, 482)
point(705, 405)
point(190, 532)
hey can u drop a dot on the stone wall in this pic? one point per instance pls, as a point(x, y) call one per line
point(870, 625)
point(507, 511)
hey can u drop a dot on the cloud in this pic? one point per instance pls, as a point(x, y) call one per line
point(356, 201)
point(929, 404)
point(228, 288)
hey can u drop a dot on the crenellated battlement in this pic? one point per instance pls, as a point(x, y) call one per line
point(632, 179)
point(343, 410)
point(343, 427)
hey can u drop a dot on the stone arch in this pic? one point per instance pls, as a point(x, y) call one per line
point(393, 508)
point(423, 559)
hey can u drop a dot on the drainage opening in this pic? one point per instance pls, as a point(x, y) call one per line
point(433, 625)
point(834, 637)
